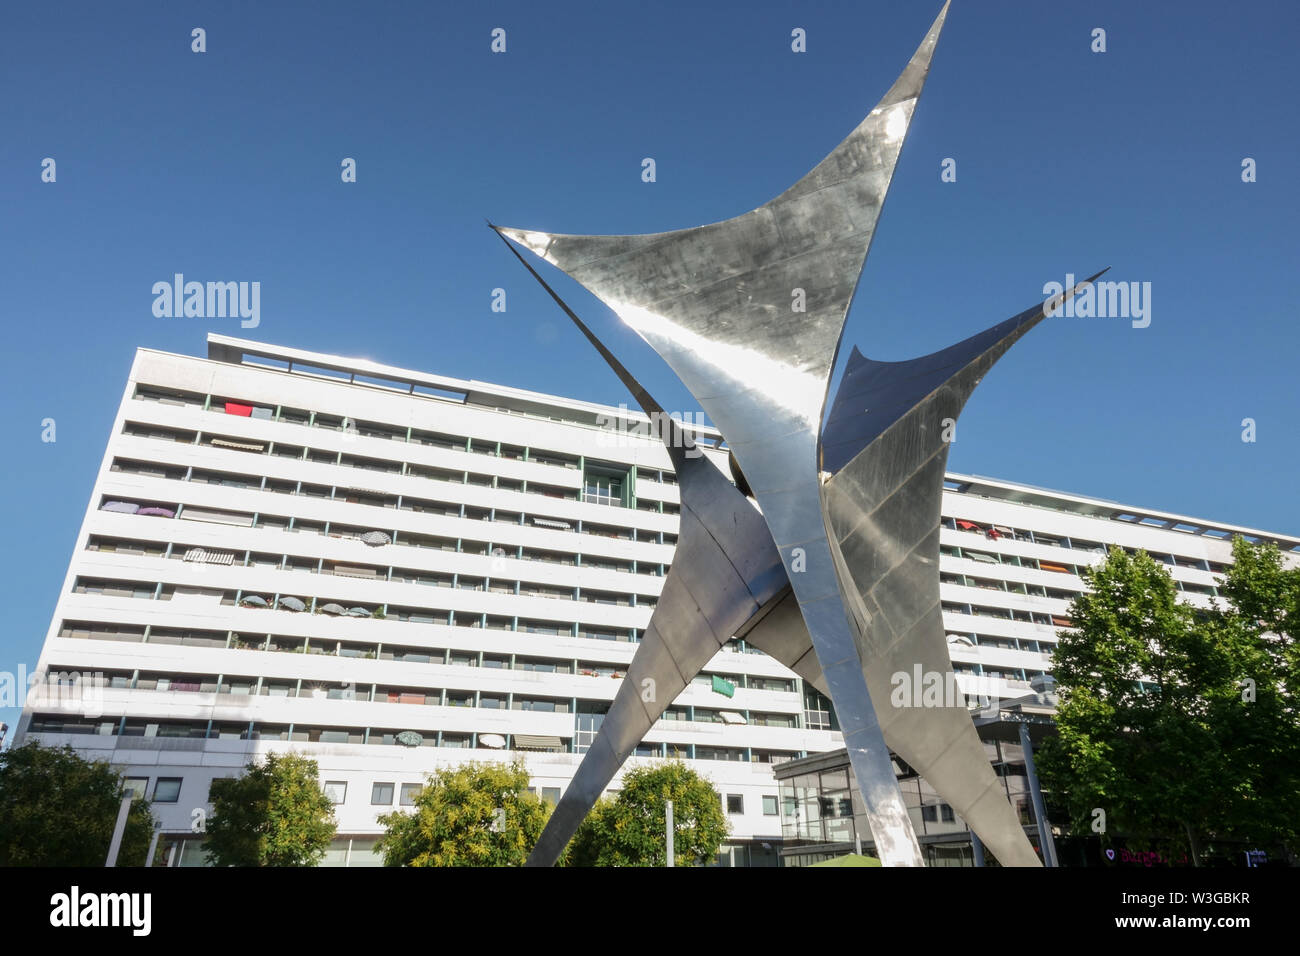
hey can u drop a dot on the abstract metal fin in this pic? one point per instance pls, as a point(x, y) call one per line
point(749, 313)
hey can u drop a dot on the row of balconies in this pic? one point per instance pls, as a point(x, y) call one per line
point(354, 428)
point(421, 491)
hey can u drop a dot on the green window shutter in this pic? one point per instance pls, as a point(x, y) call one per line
point(724, 687)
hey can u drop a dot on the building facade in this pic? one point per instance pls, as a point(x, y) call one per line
point(394, 571)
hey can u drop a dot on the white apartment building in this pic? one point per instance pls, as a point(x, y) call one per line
point(394, 571)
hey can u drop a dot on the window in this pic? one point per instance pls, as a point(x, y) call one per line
point(541, 705)
point(408, 794)
point(605, 484)
point(931, 813)
point(735, 803)
point(818, 711)
point(769, 806)
point(337, 791)
point(591, 714)
point(136, 786)
point(381, 795)
point(167, 790)
point(551, 795)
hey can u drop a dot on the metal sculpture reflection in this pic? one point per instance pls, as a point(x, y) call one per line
point(713, 301)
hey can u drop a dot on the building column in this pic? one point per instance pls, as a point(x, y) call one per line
point(1036, 794)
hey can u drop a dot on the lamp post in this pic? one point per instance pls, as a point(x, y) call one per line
point(118, 830)
point(668, 829)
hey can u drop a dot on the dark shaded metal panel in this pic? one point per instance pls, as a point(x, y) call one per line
point(782, 635)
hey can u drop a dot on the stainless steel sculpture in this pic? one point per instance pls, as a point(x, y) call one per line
point(873, 398)
point(713, 302)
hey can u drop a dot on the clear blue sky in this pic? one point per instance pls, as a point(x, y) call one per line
point(225, 166)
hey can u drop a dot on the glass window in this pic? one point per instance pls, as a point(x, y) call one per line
point(136, 786)
point(336, 790)
point(551, 794)
point(167, 790)
point(381, 795)
point(769, 806)
point(735, 803)
point(409, 792)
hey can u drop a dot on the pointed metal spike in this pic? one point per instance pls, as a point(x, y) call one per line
point(717, 303)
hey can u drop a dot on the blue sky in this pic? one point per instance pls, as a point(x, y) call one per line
point(225, 165)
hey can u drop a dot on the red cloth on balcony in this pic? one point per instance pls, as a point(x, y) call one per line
point(234, 408)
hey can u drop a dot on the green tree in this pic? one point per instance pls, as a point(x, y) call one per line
point(274, 814)
point(1155, 726)
point(1257, 708)
point(629, 830)
point(59, 809)
point(458, 817)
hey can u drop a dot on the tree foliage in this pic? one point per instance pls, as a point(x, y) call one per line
point(1180, 723)
point(455, 821)
point(274, 814)
point(629, 830)
point(59, 809)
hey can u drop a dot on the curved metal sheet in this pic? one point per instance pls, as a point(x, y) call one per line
point(777, 627)
point(883, 508)
point(725, 572)
point(874, 395)
point(713, 301)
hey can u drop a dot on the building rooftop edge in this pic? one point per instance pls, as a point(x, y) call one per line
point(232, 350)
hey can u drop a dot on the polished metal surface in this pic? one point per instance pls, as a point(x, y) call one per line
point(720, 303)
point(725, 573)
point(872, 398)
point(887, 438)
